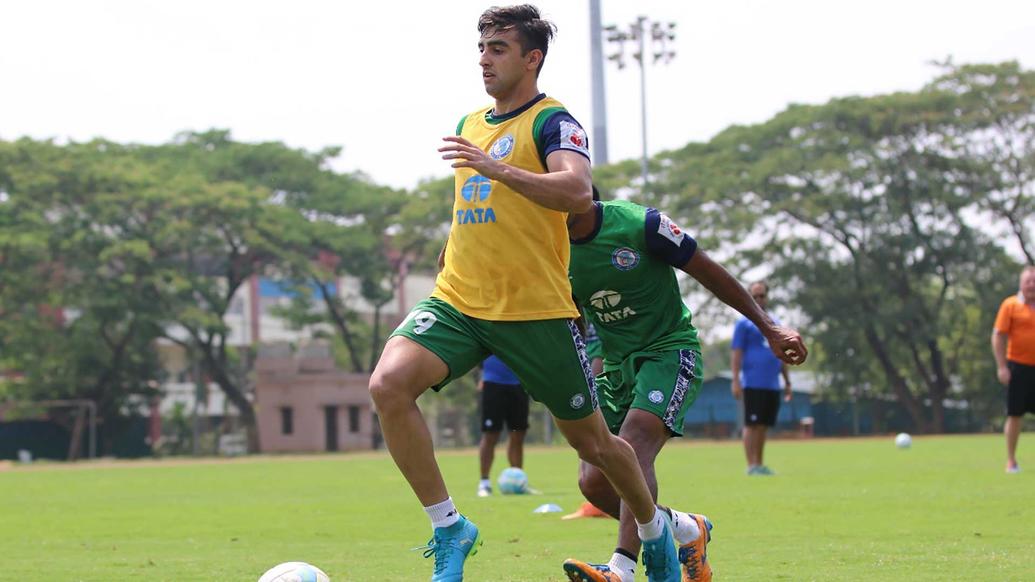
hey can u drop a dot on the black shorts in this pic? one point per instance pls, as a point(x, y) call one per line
point(761, 406)
point(1020, 394)
point(504, 403)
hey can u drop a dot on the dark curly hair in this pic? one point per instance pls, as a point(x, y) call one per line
point(534, 33)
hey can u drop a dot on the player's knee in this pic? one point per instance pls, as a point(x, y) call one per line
point(386, 391)
point(593, 485)
point(590, 450)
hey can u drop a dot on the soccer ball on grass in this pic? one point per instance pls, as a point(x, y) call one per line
point(513, 481)
point(903, 440)
point(294, 572)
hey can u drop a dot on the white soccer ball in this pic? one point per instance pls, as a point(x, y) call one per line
point(903, 440)
point(513, 481)
point(294, 572)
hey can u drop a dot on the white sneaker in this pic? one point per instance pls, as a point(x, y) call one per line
point(484, 491)
point(1012, 467)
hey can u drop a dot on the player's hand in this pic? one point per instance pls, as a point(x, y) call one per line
point(787, 344)
point(468, 155)
point(735, 389)
point(1004, 375)
point(787, 393)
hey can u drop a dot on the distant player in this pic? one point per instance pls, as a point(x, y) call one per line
point(756, 380)
point(1013, 344)
point(503, 403)
point(622, 274)
point(521, 166)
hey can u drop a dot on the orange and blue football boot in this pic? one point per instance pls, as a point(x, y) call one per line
point(582, 572)
point(694, 556)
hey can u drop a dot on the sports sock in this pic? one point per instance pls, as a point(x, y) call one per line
point(623, 565)
point(684, 527)
point(443, 514)
point(653, 528)
point(485, 483)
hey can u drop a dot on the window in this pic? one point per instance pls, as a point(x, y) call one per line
point(353, 419)
point(287, 420)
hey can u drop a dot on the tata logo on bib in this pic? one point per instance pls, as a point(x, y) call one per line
point(607, 304)
point(476, 187)
point(475, 190)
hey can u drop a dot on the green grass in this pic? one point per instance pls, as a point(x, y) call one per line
point(837, 510)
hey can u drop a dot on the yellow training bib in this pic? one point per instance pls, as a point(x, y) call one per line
point(507, 257)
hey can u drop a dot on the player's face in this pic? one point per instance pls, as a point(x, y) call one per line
point(503, 65)
point(760, 295)
point(1028, 285)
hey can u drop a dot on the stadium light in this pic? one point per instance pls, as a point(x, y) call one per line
point(640, 33)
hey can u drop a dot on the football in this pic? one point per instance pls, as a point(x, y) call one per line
point(903, 440)
point(294, 572)
point(513, 481)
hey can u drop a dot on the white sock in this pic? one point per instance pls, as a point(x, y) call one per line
point(443, 514)
point(625, 567)
point(485, 483)
point(684, 527)
point(653, 528)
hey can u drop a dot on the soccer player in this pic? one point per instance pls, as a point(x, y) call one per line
point(521, 166)
point(622, 274)
point(1013, 345)
point(503, 401)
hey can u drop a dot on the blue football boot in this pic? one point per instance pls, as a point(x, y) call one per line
point(660, 558)
point(451, 547)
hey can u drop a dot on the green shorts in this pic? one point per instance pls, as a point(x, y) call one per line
point(548, 356)
point(662, 383)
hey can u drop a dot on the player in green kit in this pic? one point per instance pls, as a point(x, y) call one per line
point(623, 257)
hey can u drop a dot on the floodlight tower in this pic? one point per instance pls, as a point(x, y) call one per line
point(640, 33)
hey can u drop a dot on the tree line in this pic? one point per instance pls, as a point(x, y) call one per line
point(892, 224)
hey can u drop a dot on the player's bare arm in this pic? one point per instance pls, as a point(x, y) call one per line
point(566, 186)
point(785, 342)
point(999, 341)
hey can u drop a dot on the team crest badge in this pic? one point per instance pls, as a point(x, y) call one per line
point(656, 396)
point(502, 147)
point(625, 259)
point(577, 401)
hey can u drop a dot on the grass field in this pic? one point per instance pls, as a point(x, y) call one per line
point(837, 510)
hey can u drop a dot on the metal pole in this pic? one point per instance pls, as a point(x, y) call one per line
point(599, 135)
point(641, 23)
point(91, 408)
point(195, 426)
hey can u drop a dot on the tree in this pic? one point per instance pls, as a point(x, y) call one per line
point(78, 320)
point(997, 116)
point(863, 209)
point(370, 234)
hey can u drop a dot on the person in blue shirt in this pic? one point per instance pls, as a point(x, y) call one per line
point(503, 401)
point(756, 378)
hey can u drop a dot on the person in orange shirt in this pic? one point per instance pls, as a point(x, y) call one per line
point(1013, 343)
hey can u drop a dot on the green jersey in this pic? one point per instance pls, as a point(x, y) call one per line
point(623, 279)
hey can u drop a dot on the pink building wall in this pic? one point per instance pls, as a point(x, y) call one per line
point(308, 386)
